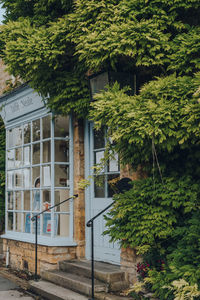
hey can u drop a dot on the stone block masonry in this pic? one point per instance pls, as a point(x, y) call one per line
point(22, 255)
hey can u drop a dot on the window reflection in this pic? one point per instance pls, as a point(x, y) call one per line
point(27, 133)
point(46, 127)
point(36, 130)
point(46, 173)
point(61, 195)
point(27, 178)
point(99, 138)
point(18, 222)
point(99, 186)
point(61, 126)
point(11, 159)
point(46, 152)
point(62, 224)
point(10, 221)
point(61, 175)
point(27, 200)
point(18, 179)
point(36, 154)
point(27, 156)
point(18, 157)
point(10, 201)
point(61, 151)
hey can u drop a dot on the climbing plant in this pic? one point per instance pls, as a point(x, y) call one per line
point(56, 44)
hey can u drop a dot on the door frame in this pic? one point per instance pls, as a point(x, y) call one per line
point(89, 190)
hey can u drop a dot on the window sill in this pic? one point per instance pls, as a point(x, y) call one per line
point(42, 240)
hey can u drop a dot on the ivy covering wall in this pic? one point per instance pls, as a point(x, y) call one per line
point(56, 44)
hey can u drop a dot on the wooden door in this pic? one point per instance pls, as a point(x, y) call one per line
point(101, 196)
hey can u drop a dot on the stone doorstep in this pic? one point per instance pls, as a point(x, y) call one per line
point(51, 291)
point(102, 271)
point(74, 282)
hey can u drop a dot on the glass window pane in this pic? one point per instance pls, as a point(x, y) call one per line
point(27, 133)
point(46, 223)
point(46, 126)
point(10, 179)
point(10, 221)
point(46, 152)
point(62, 224)
point(98, 157)
point(112, 180)
point(10, 159)
point(27, 156)
point(18, 157)
point(17, 136)
point(113, 165)
point(36, 200)
point(35, 176)
point(99, 186)
point(10, 201)
point(10, 140)
point(27, 222)
point(18, 201)
point(18, 223)
point(61, 126)
point(27, 200)
point(61, 175)
point(46, 173)
point(61, 151)
point(27, 178)
point(36, 154)
point(36, 130)
point(18, 179)
point(46, 199)
point(61, 195)
point(99, 138)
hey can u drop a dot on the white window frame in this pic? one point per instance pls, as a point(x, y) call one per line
point(30, 237)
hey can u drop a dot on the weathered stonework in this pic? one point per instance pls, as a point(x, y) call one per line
point(129, 261)
point(79, 203)
point(22, 255)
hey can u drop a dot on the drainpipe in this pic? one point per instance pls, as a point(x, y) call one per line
point(7, 257)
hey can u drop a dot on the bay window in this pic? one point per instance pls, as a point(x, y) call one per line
point(39, 175)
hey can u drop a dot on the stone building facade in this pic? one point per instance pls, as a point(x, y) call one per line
point(37, 149)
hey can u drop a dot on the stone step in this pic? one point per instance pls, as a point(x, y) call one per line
point(102, 271)
point(51, 291)
point(73, 282)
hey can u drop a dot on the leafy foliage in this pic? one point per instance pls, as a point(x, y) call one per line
point(144, 217)
point(53, 43)
point(166, 112)
point(162, 223)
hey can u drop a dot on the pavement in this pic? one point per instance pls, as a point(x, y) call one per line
point(10, 290)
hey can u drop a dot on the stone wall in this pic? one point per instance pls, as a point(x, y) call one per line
point(22, 255)
point(79, 174)
point(129, 259)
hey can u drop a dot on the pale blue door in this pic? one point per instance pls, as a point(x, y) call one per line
point(99, 196)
